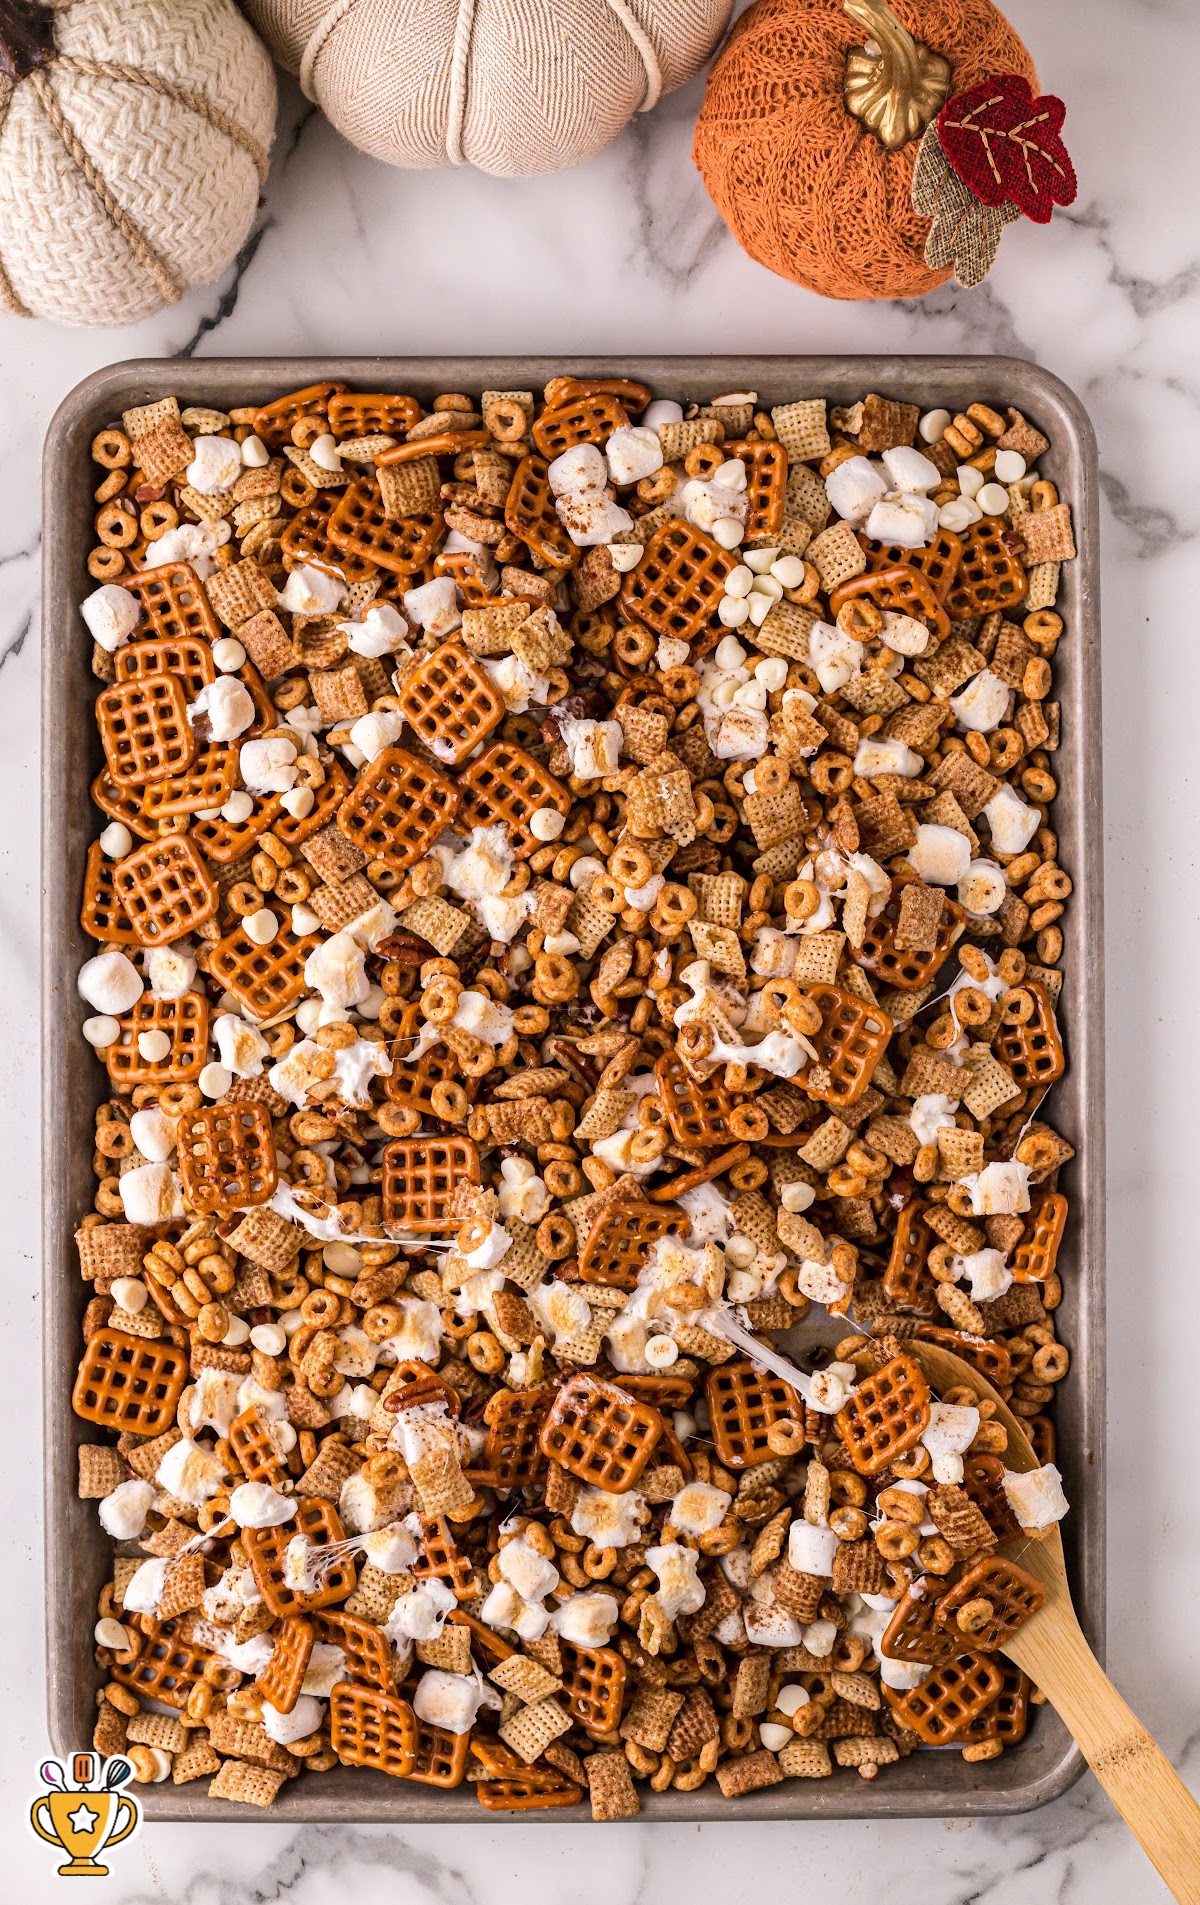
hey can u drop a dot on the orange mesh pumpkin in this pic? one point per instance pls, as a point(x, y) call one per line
point(809, 189)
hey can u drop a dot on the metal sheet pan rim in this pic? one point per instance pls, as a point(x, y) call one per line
point(925, 1785)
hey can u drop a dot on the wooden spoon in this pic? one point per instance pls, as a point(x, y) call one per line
point(1134, 1772)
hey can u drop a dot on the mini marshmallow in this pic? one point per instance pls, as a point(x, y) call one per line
point(392, 1549)
point(940, 855)
point(215, 466)
point(111, 614)
point(875, 755)
point(1036, 1498)
point(983, 704)
point(123, 1513)
point(819, 1637)
point(854, 488)
point(150, 1195)
point(1012, 822)
point(592, 517)
point(662, 410)
point(382, 631)
point(227, 707)
point(483, 1017)
point(834, 658)
point(448, 1700)
point(268, 767)
point(154, 1135)
point(258, 1505)
point(632, 452)
point(811, 1550)
point(326, 1666)
point(699, 1508)
point(373, 732)
point(193, 543)
point(420, 1614)
point(419, 1336)
point(951, 1428)
point(579, 471)
point(144, 1588)
point(987, 1274)
point(434, 605)
point(303, 1718)
point(310, 591)
point(904, 634)
point(1001, 1189)
point(983, 888)
point(909, 521)
point(909, 470)
point(110, 982)
point(932, 1112)
point(213, 1402)
point(902, 1675)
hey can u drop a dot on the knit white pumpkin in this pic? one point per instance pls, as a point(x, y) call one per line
point(512, 86)
point(130, 164)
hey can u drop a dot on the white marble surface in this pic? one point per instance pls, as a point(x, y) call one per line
point(626, 254)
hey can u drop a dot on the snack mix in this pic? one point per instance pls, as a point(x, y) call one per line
point(576, 898)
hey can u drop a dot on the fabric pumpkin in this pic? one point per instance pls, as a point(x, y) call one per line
point(512, 86)
point(810, 190)
point(133, 144)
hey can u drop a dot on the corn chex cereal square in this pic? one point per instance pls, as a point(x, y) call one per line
point(533, 1728)
point(802, 428)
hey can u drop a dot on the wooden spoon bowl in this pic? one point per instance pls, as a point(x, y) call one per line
point(1052, 1650)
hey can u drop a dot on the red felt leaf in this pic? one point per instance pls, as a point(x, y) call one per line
point(1004, 144)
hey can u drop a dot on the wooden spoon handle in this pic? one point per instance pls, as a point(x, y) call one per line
point(1134, 1772)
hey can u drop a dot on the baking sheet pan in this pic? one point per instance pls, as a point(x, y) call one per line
point(928, 1784)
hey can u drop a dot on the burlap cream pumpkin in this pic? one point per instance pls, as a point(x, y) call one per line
point(512, 86)
point(133, 142)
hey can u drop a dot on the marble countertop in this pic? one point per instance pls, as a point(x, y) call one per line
point(624, 255)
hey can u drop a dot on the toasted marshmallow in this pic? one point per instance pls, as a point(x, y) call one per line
point(215, 466)
point(150, 1195)
point(983, 704)
point(420, 1334)
point(699, 1508)
point(951, 1428)
point(586, 1619)
point(310, 591)
point(190, 1472)
point(241, 1046)
point(326, 1666)
point(909, 470)
point(434, 605)
point(531, 1574)
point(171, 970)
point(123, 1513)
point(594, 746)
point(144, 1589)
point(448, 1700)
point(854, 488)
point(940, 855)
point(1012, 822)
point(1000, 1189)
point(909, 521)
point(257, 1505)
point(382, 631)
point(680, 1589)
point(834, 657)
point(1036, 1498)
point(610, 1521)
point(421, 1614)
point(337, 970)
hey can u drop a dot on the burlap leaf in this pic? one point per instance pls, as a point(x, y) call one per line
point(965, 234)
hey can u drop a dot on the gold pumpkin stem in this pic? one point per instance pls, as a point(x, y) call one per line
point(897, 90)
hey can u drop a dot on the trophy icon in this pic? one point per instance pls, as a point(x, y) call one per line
point(85, 1818)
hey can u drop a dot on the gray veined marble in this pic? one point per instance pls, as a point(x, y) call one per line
point(625, 254)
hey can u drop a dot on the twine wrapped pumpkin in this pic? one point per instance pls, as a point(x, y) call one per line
point(511, 86)
point(133, 143)
point(811, 125)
